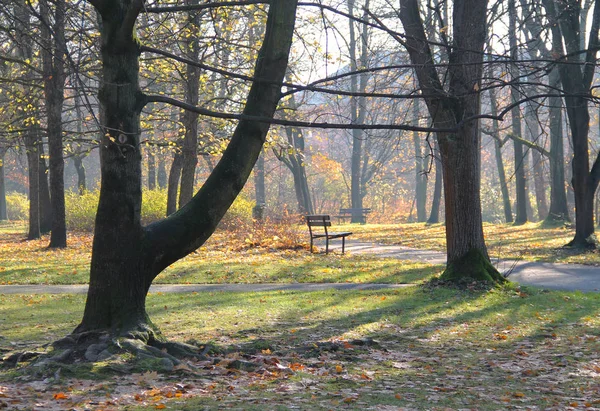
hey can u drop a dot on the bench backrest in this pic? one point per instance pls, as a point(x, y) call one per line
point(321, 220)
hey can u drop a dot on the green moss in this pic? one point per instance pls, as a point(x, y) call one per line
point(474, 266)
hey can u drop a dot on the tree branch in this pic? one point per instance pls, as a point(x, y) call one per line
point(293, 123)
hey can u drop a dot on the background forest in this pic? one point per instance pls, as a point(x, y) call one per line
point(342, 70)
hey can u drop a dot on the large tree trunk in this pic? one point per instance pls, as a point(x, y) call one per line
point(53, 56)
point(466, 250)
point(127, 257)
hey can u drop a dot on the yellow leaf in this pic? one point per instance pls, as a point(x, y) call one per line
point(339, 369)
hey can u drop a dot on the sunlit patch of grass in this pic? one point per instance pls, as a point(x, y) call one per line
point(528, 241)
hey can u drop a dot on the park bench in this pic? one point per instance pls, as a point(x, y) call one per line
point(348, 213)
point(323, 221)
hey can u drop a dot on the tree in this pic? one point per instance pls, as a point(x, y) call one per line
point(53, 62)
point(576, 78)
point(459, 150)
point(126, 257)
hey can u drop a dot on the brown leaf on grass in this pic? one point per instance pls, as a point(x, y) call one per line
point(60, 396)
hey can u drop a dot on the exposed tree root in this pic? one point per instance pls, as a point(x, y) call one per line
point(148, 350)
point(589, 243)
point(473, 266)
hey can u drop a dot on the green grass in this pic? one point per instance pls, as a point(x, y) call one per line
point(435, 348)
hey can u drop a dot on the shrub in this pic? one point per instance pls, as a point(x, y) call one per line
point(239, 214)
point(17, 206)
point(154, 205)
point(81, 210)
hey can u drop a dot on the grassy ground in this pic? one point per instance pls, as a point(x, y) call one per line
point(416, 348)
point(528, 241)
point(240, 258)
point(410, 348)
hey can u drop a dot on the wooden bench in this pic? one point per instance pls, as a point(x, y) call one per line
point(352, 212)
point(324, 221)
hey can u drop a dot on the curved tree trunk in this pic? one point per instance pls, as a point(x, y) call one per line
point(127, 257)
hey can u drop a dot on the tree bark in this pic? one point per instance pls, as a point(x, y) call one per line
point(127, 257)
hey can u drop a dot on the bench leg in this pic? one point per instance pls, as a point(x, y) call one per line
point(326, 245)
point(311, 245)
point(343, 244)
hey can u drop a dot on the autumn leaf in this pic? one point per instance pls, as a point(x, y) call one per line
point(339, 369)
point(160, 406)
point(60, 396)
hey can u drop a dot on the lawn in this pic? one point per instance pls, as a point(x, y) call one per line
point(242, 258)
point(417, 348)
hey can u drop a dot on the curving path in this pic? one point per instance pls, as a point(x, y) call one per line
point(546, 275)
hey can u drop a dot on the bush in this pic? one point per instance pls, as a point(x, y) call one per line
point(239, 214)
point(154, 205)
point(81, 210)
point(17, 206)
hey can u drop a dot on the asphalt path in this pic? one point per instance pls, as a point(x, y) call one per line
point(545, 275)
point(572, 277)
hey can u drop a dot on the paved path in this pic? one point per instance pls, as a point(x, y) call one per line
point(546, 275)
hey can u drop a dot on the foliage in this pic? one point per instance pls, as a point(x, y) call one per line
point(154, 205)
point(81, 210)
point(239, 214)
point(17, 206)
point(443, 348)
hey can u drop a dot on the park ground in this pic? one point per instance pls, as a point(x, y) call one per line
point(416, 347)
